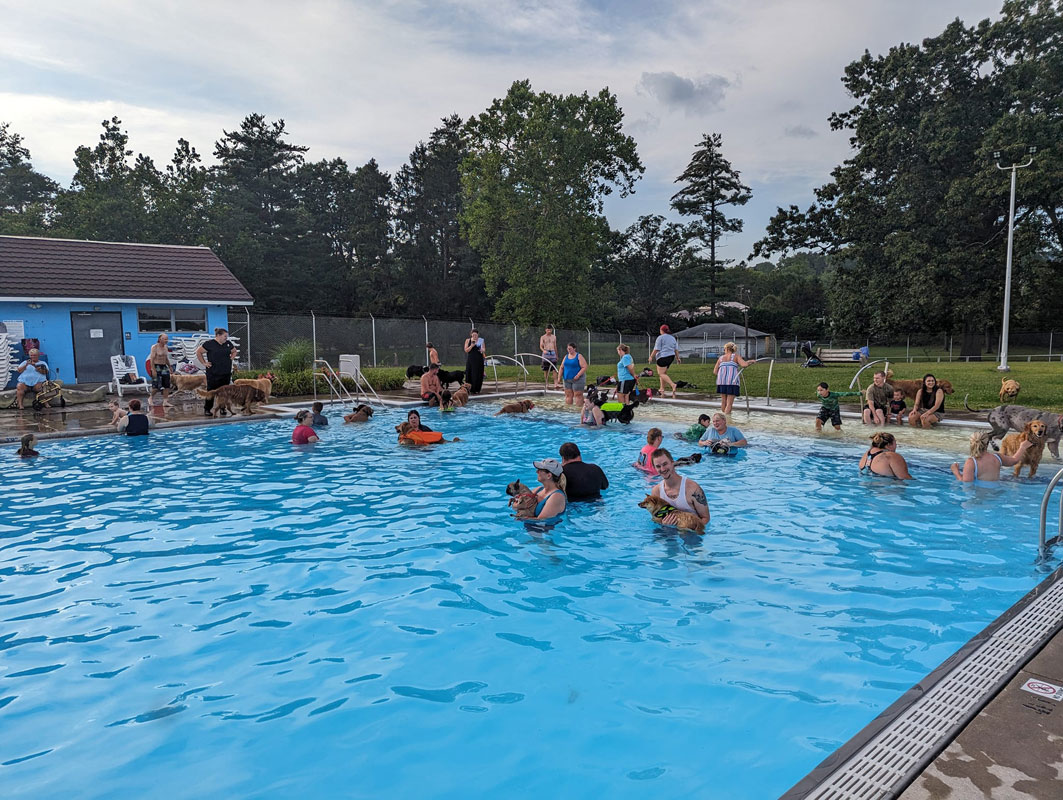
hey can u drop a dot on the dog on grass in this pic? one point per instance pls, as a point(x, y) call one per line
point(522, 500)
point(910, 388)
point(227, 397)
point(1033, 432)
point(361, 413)
point(265, 384)
point(519, 407)
point(1009, 390)
point(659, 509)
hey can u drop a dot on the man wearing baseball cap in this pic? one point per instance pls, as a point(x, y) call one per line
point(551, 496)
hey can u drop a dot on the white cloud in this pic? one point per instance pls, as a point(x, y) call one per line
point(694, 96)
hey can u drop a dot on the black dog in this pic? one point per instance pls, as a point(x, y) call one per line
point(414, 371)
point(447, 377)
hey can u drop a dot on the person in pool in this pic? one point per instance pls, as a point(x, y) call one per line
point(573, 373)
point(882, 458)
point(26, 446)
point(984, 464)
point(695, 431)
point(552, 501)
point(722, 432)
point(304, 432)
point(590, 415)
point(683, 494)
point(414, 418)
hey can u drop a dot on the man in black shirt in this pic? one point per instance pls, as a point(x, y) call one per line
point(583, 481)
point(217, 355)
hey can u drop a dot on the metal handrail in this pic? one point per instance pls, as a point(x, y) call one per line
point(856, 377)
point(1042, 545)
point(539, 357)
point(494, 369)
point(358, 385)
point(741, 380)
point(328, 374)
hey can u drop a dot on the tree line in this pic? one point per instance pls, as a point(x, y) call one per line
point(501, 215)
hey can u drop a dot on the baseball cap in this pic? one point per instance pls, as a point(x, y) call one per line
point(551, 465)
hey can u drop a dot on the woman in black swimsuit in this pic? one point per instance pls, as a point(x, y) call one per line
point(882, 458)
point(929, 408)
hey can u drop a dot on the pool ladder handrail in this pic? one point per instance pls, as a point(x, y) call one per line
point(323, 369)
point(1042, 545)
point(494, 368)
point(856, 377)
point(742, 382)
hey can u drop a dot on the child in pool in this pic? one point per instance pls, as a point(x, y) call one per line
point(654, 438)
point(694, 432)
point(117, 412)
point(26, 450)
point(829, 409)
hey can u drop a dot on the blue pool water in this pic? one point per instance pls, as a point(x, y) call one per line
point(213, 612)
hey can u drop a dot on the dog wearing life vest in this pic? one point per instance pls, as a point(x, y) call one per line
point(659, 509)
point(1034, 432)
point(361, 413)
point(1009, 390)
point(265, 384)
point(522, 500)
point(226, 397)
point(407, 435)
point(519, 407)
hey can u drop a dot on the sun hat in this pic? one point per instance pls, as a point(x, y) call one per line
point(551, 465)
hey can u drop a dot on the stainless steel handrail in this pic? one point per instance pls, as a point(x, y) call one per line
point(1042, 545)
point(742, 382)
point(865, 366)
point(539, 357)
point(494, 368)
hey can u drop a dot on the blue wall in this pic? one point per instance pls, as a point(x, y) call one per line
point(51, 325)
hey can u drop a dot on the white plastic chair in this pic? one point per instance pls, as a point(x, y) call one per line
point(122, 366)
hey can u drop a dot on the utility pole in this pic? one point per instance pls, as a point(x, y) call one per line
point(1007, 270)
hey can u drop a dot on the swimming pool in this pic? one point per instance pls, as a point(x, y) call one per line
point(216, 612)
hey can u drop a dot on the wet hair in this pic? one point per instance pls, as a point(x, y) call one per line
point(301, 415)
point(653, 434)
point(661, 451)
point(730, 347)
point(413, 413)
point(882, 440)
point(705, 417)
point(317, 407)
point(624, 348)
point(569, 450)
point(823, 385)
point(134, 405)
point(27, 443)
point(980, 443)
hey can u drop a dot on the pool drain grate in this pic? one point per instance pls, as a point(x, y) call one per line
point(892, 758)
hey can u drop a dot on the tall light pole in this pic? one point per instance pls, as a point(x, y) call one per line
point(1007, 270)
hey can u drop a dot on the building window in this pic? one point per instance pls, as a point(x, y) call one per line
point(171, 320)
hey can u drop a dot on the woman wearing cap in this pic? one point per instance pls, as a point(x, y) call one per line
point(551, 497)
point(666, 351)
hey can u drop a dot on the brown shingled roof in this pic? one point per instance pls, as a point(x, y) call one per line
point(41, 268)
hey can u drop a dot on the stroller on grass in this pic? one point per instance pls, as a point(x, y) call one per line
point(808, 351)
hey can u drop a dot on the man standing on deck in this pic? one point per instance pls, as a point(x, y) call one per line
point(548, 348)
point(217, 355)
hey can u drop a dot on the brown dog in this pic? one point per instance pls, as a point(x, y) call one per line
point(226, 397)
point(519, 407)
point(361, 414)
point(911, 387)
point(461, 396)
point(659, 509)
point(1009, 390)
point(407, 435)
point(265, 384)
point(1035, 432)
point(188, 383)
point(522, 500)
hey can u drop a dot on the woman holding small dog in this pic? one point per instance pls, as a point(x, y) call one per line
point(551, 499)
point(984, 464)
point(929, 408)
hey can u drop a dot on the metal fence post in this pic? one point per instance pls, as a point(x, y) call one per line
point(588, 345)
point(649, 346)
point(427, 358)
point(313, 333)
point(1050, 334)
point(373, 321)
point(618, 333)
point(515, 348)
point(908, 350)
point(950, 348)
point(247, 314)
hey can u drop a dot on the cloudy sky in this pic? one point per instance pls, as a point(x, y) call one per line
point(366, 80)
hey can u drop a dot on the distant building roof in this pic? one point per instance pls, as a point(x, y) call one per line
point(716, 330)
point(39, 268)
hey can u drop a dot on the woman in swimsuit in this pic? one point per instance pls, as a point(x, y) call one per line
point(552, 501)
point(590, 415)
point(727, 368)
point(882, 458)
point(984, 464)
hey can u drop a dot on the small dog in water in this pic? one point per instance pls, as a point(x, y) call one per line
point(521, 499)
point(461, 396)
point(519, 407)
point(362, 413)
point(659, 509)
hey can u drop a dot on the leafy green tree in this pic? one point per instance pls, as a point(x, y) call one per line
point(181, 199)
point(441, 273)
point(710, 187)
point(26, 196)
point(538, 170)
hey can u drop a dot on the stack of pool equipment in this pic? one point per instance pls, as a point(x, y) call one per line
point(183, 349)
point(7, 359)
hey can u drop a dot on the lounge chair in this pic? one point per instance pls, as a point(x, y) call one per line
point(122, 366)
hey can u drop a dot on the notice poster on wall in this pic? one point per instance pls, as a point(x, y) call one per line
point(16, 329)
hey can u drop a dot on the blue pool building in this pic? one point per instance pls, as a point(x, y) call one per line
point(86, 301)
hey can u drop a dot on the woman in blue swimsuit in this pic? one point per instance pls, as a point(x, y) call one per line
point(573, 372)
point(552, 501)
point(984, 465)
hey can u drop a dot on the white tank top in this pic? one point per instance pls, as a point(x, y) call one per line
point(679, 503)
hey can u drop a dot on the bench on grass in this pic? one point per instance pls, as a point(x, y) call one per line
point(838, 356)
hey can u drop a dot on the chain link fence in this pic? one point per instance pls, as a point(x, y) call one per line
point(1023, 346)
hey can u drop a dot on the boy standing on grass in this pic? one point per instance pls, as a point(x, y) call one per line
point(829, 406)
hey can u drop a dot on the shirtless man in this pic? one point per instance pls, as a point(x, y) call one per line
point(159, 356)
point(433, 354)
point(681, 493)
point(431, 387)
point(548, 347)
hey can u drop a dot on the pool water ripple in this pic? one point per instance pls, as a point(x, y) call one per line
point(215, 611)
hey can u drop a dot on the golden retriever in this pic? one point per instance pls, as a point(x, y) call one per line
point(1035, 433)
point(659, 509)
point(522, 500)
point(265, 384)
point(407, 435)
point(188, 383)
point(911, 387)
point(225, 397)
point(360, 414)
point(461, 396)
point(1009, 390)
point(519, 407)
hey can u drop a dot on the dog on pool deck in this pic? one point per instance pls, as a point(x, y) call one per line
point(911, 387)
point(519, 407)
point(361, 413)
point(521, 499)
point(188, 383)
point(265, 384)
point(226, 397)
point(1009, 390)
point(1014, 418)
point(659, 509)
point(461, 396)
point(1033, 432)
